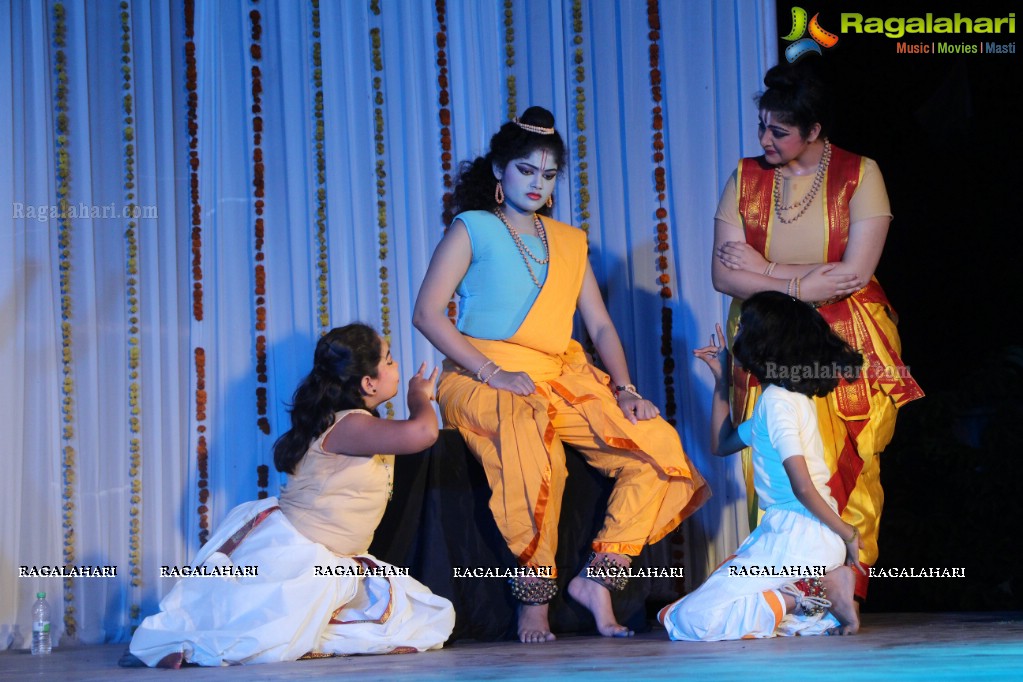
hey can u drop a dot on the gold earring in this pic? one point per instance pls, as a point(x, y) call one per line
point(550, 200)
point(499, 193)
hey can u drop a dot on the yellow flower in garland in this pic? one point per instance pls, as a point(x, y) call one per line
point(323, 294)
point(379, 139)
point(509, 53)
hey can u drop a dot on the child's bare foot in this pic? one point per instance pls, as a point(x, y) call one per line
point(839, 584)
point(534, 627)
point(597, 599)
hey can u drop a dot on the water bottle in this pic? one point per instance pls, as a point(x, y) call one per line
point(41, 625)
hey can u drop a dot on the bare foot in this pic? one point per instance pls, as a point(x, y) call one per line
point(534, 626)
point(839, 585)
point(597, 599)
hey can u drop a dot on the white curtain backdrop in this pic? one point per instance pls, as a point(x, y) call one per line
point(66, 410)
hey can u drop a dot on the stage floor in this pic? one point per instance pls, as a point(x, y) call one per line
point(930, 646)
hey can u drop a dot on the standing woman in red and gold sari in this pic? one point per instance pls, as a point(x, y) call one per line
point(517, 386)
point(810, 220)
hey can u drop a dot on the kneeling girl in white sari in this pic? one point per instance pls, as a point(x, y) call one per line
point(792, 574)
point(316, 589)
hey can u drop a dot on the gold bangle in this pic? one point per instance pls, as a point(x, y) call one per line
point(856, 534)
point(770, 268)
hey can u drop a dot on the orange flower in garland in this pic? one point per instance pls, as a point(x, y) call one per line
point(444, 115)
point(202, 453)
point(323, 294)
point(262, 480)
point(191, 85)
point(660, 186)
point(259, 192)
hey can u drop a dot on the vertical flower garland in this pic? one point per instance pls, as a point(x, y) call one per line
point(678, 553)
point(444, 114)
point(580, 116)
point(509, 56)
point(258, 192)
point(134, 341)
point(660, 185)
point(64, 234)
point(192, 86)
point(201, 450)
point(381, 174)
point(262, 480)
point(319, 153)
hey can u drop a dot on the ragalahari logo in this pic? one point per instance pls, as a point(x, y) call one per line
point(803, 46)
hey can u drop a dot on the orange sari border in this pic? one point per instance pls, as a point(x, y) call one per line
point(232, 542)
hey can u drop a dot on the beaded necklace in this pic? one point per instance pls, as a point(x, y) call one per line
point(523, 249)
point(811, 194)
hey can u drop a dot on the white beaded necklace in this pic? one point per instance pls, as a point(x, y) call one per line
point(523, 249)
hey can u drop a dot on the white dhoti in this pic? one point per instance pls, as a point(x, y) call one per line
point(303, 599)
point(742, 599)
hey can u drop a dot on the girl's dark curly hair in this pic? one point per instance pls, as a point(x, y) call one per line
point(798, 95)
point(343, 356)
point(784, 341)
point(475, 184)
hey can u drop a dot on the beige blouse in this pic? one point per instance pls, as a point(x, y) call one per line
point(338, 500)
point(803, 241)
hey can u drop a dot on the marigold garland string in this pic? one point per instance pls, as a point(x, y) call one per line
point(319, 153)
point(134, 340)
point(580, 116)
point(660, 185)
point(262, 480)
point(663, 279)
point(202, 453)
point(191, 86)
point(376, 41)
point(509, 56)
point(64, 234)
point(444, 115)
point(259, 193)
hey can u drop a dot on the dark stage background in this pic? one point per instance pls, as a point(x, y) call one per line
point(945, 130)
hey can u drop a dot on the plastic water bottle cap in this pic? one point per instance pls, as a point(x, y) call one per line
point(40, 595)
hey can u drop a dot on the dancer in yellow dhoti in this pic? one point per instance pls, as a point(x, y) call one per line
point(517, 386)
point(810, 219)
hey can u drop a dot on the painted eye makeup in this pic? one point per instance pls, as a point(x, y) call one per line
point(776, 132)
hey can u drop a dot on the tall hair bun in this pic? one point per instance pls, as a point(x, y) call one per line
point(537, 116)
point(782, 76)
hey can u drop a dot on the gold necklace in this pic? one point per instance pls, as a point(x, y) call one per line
point(811, 194)
point(523, 249)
